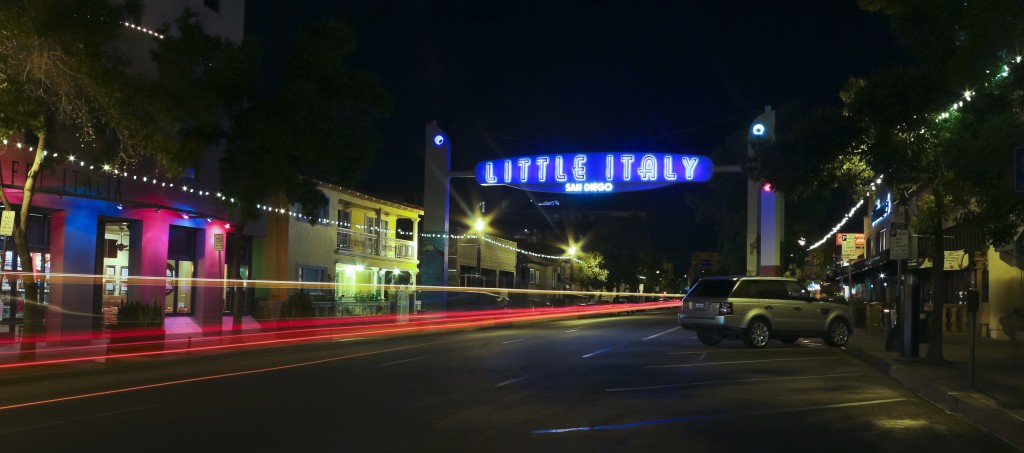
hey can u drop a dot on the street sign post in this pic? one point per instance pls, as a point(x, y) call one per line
point(899, 245)
point(849, 247)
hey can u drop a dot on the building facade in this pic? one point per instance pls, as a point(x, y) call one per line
point(892, 248)
point(148, 237)
point(359, 247)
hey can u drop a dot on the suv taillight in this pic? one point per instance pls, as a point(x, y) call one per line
point(725, 308)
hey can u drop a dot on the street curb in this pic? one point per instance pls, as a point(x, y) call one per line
point(980, 410)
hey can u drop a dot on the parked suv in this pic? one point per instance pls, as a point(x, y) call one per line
point(756, 309)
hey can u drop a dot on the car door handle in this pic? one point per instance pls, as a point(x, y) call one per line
point(768, 307)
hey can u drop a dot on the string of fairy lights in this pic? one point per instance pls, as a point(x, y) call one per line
point(949, 114)
point(82, 164)
point(495, 242)
point(142, 29)
point(1001, 72)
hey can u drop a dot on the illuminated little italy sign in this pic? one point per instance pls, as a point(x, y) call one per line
point(594, 172)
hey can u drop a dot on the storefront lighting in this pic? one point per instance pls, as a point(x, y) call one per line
point(120, 207)
point(209, 220)
point(227, 226)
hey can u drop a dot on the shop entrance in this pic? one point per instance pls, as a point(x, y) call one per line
point(179, 293)
point(115, 257)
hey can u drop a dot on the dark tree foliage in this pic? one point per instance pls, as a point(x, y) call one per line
point(66, 86)
point(317, 123)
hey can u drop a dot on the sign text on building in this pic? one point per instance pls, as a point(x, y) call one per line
point(594, 172)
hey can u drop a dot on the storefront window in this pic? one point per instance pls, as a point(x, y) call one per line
point(179, 292)
point(38, 239)
point(115, 250)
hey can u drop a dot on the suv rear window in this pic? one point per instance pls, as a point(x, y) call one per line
point(712, 288)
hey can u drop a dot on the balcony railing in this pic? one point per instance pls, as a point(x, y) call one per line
point(360, 243)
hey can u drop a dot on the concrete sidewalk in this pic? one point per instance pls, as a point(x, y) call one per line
point(996, 401)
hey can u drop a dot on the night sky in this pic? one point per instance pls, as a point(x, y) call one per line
point(525, 77)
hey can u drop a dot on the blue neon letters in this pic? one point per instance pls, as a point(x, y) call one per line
point(594, 172)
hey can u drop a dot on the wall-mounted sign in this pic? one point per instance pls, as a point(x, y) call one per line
point(218, 242)
point(594, 172)
point(881, 209)
point(7, 223)
point(955, 260)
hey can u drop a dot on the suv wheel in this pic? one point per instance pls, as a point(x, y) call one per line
point(709, 338)
point(838, 333)
point(757, 333)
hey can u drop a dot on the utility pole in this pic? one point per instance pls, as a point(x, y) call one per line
point(765, 207)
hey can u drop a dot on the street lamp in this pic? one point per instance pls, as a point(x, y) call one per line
point(572, 265)
point(479, 226)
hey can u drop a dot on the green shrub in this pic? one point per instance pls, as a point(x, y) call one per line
point(298, 305)
point(138, 315)
point(367, 296)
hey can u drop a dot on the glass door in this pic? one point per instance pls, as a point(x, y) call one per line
point(178, 293)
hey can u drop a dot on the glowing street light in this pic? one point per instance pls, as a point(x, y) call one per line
point(479, 225)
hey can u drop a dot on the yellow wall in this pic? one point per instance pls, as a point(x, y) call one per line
point(1004, 292)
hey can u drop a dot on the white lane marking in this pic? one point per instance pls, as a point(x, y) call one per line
point(716, 351)
point(596, 352)
point(511, 381)
point(660, 334)
point(702, 357)
point(349, 339)
point(738, 361)
point(403, 361)
point(573, 330)
point(690, 384)
point(707, 417)
point(80, 419)
point(512, 341)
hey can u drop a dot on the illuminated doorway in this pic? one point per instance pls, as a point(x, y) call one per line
point(179, 293)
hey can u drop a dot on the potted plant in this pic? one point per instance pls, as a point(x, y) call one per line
point(138, 322)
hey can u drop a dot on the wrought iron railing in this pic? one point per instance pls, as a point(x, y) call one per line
point(361, 243)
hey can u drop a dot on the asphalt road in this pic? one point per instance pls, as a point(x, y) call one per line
point(613, 383)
